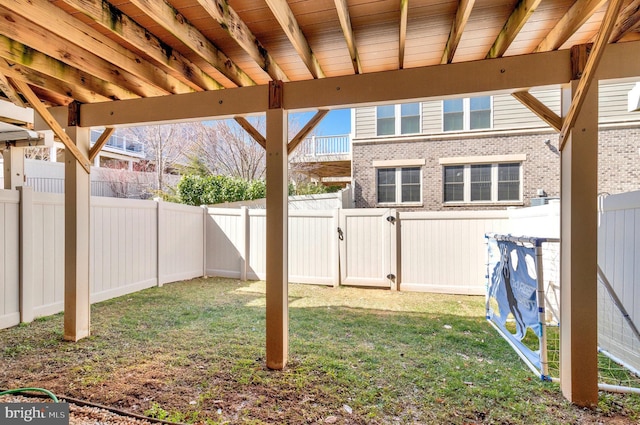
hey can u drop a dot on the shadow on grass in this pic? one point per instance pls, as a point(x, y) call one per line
point(194, 352)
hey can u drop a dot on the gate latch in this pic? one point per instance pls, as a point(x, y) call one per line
point(391, 276)
point(391, 219)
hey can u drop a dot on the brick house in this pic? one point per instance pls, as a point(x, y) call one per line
point(481, 153)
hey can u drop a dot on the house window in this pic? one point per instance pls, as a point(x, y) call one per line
point(483, 182)
point(398, 119)
point(399, 185)
point(466, 114)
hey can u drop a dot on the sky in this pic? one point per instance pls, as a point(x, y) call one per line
point(337, 122)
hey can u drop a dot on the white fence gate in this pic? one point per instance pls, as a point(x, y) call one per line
point(378, 247)
point(368, 247)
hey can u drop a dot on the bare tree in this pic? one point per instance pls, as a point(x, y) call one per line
point(223, 147)
point(166, 147)
point(42, 153)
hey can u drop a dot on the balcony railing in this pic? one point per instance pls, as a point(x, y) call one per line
point(318, 146)
point(120, 143)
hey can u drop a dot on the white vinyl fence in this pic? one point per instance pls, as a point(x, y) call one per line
point(619, 259)
point(379, 247)
point(134, 244)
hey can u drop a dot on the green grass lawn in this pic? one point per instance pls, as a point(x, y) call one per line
point(195, 352)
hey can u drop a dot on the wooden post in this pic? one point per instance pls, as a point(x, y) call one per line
point(77, 198)
point(277, 231)
point(579, 252)
point(13, 167)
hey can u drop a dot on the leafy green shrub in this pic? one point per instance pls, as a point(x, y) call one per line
point(313, 189)
point(208, 190)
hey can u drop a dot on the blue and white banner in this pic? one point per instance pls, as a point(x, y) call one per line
point(511, 293)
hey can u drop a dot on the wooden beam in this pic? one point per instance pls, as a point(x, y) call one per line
point(126, 29)
point(570, 22)
point(17, 53)
point(497, 76)
point(289, 24)
point(63, 88)
point(52, 123)
point(540, 109)
point(457, 28)
point(308, 128)
point(606, 28)
point(71, 30)
point(231, 22)
point(10, 92)
point(404, 16)
point(99, 144)
point(255, 134)
point(169, 19)
point(345, 22)
point(17, 28)
point(50, 98)
point(628, 20)
point(520, 15)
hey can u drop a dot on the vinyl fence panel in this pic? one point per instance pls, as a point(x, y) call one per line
point(180, 242)
point(619, 259)
point(257, 261)
point(446, 252)
point(123, 247)
point(47, 254)
point(226, 242)
point(9, 261)
point(313, 247)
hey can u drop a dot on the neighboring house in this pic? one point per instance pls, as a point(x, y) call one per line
point(481, 153)
point(120, 152)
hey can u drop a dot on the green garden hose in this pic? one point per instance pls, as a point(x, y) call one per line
point(21, 390)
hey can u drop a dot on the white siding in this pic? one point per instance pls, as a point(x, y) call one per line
point(365, 122)
point(9, 265)
point(509, 113)
point(612, 106)
point(432, 117)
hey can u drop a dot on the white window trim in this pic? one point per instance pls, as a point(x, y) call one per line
point(466, 177)
point(393, 163)
point(398, 201)
point(486, 159)
point(397, 111)
point(466, 116)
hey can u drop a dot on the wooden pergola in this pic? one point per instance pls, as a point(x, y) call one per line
point(89, 63)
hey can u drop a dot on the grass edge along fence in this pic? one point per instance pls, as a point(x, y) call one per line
point(522, 304)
